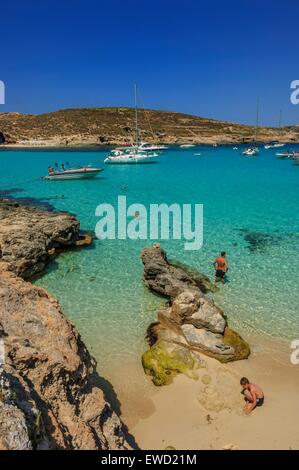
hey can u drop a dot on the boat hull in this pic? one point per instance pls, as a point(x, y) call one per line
point(73, 175)
point(129, 161)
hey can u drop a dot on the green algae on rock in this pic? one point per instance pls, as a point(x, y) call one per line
point(165, 360)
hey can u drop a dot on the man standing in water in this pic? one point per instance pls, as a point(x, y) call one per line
point(221, 266)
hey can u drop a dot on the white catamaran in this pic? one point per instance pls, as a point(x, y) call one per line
point(140, 152)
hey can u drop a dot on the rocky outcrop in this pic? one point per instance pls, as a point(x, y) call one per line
point(191, 321)
point(30, 237)
point(169, 279)
point(51, 395)
point(51, 387)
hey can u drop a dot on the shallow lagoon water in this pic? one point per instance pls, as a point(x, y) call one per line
point(250, 210)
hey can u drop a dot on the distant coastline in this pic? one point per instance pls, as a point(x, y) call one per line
point(115, 126)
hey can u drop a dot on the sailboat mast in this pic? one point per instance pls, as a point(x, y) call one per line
point(136, 116)
point(279, 124)
point(257, 118)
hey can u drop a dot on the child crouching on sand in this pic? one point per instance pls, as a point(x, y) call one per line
point(253, 394)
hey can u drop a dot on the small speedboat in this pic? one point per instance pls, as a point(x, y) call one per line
point(284, 155)
point(75, 173)
point(186, 146)
point(250, 151)
point(146, 147)
point(272, 145)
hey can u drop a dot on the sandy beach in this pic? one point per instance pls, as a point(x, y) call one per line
point(186, 415)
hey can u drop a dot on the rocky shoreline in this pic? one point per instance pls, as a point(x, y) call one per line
point(191, 327)
point(50, 392)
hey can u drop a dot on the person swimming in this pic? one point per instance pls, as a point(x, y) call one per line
point(221, 266)
point(254, 395)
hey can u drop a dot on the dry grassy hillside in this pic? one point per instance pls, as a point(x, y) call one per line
point(92, 126)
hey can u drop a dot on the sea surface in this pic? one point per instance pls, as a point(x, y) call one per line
point(250, 211)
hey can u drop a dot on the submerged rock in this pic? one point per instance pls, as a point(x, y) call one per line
point(30, 237)
point(260, 241)
point(192, 321)
point(167, 279)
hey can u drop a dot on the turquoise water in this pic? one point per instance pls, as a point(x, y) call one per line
point(250, 210)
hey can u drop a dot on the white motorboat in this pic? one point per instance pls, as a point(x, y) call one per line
point(146, 147)
point(251, 151)
point(186, 146)
point(284, 155)
point(76, 173)
point(272, 145)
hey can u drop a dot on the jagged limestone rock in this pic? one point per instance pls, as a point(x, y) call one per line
point(191, 320)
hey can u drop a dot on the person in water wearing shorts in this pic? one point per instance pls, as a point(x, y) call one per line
point(221, 266)
point(253, 394)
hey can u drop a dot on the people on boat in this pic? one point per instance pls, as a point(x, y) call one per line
point(50, 169)
point(221, 266)
point(62, 167)
point(253, 395)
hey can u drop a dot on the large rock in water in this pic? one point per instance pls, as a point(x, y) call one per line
point(191, 321)
point(50, 392)
point(169, 279)
point(29, 237)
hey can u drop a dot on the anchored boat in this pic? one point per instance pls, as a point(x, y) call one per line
point(272, 145)
point(284, 155)
point(140, 152)
point(251, 152)
point(120, 156)
point(74, 173)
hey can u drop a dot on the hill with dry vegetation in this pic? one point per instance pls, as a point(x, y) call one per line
point(115, 126)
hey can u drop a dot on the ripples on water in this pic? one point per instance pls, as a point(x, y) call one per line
point(250, 210)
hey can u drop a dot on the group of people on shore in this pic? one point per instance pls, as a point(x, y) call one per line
point(253, 394)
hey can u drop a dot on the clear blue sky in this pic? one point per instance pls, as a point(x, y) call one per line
point(209, 58)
